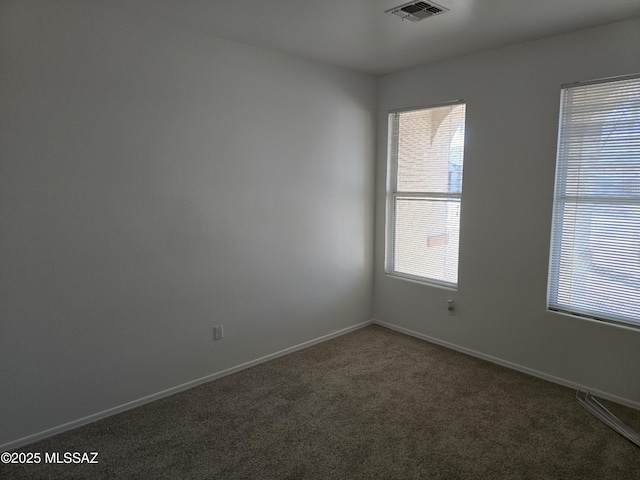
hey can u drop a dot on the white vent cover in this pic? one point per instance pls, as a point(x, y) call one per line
point(416, 11)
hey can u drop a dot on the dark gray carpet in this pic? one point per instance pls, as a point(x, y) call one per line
point(372, 404)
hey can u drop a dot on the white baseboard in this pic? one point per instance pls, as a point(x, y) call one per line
point(513, 366)
point(170, 391)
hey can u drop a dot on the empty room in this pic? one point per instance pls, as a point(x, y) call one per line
point(347, 239)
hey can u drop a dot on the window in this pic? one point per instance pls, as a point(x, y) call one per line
point(426, 151)
point(594, 267)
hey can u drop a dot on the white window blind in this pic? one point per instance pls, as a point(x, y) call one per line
point(426, 150)
point(595, 246)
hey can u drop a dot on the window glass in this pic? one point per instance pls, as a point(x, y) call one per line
point(426, 153)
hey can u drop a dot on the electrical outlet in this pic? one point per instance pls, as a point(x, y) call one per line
point(218, 332)
point(451, 307)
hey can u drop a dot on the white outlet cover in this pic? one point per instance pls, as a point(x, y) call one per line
point(218, 333)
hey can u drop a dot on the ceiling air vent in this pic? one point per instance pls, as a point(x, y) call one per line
point(416, 11)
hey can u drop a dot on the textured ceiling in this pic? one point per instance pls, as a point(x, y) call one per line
point(359, 35)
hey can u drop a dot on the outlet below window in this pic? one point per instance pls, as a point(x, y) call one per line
point(218, 333)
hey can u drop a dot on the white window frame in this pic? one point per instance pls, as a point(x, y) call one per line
point(393, 194)
point(566, 292)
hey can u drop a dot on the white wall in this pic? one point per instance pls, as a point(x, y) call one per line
point(155, 183)
point(512, 99)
